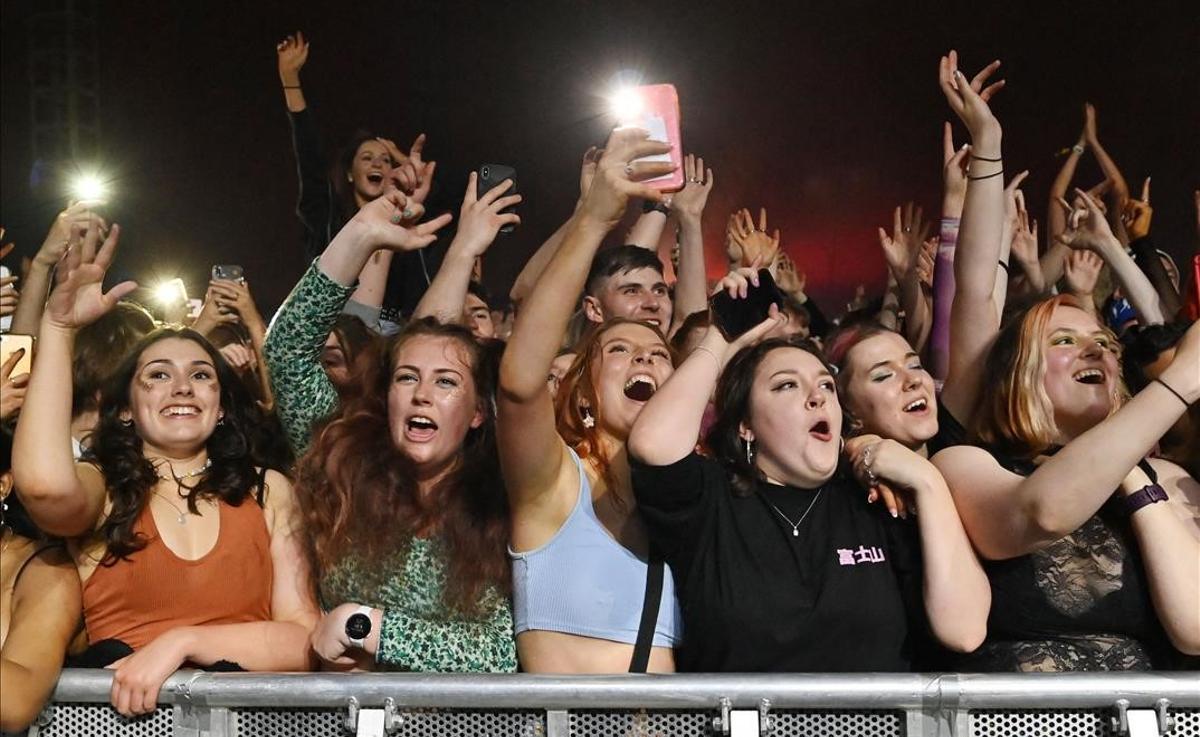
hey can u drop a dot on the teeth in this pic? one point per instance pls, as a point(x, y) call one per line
point(643, 379)
point(423, 422)
point(1088, 373)
point(172, 411)
point(914, 405)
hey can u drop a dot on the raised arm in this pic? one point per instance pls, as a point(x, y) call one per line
point(954, 191)
point(526, 432)
point(902, 252)
point(1136, 219)
point(667, 427)
point(647, 230)
point(974, 319)
point(235, 296)
point(292, 52)
point(479, 223)
point(1056, 221)
point(1007, 515)
point(68, 228)
point(64, 499)
point(1118, 188)
point(688, 206)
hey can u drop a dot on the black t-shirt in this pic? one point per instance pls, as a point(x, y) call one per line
point(842, 595)
point(950, 431)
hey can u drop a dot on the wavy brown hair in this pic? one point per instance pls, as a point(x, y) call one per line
point(578, 390)
point(358, 493)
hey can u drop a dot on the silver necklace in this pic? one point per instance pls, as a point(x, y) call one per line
point(190, 474)
point(181, 514)
point(796, 525)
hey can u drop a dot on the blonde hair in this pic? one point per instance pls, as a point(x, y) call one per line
point(1016, 414)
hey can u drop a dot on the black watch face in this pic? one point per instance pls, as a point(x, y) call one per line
point(358, 626)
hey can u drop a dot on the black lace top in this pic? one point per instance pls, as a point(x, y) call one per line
point(1081, 603)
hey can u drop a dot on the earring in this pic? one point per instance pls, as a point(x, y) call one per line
point(749, 452)
point(588, 421)
point(221, 419)
point(841, 445)
point(127, 422)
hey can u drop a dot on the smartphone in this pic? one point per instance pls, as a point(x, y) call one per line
point(227, 272)
point(493, 175)
point(1193, 302)
point(655, 108)
point(735, 316)
point(10, 343)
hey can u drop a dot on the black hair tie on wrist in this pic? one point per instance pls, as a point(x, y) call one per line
point(982, 158)
point(984, 176)
point(1177, 394)
point(1003, 266)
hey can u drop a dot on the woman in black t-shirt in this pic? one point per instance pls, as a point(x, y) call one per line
point(780, 563)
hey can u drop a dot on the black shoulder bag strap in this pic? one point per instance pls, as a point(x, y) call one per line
point(645, 637)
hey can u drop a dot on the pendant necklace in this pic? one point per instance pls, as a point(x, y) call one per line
point(796, 525)
point(181, 514)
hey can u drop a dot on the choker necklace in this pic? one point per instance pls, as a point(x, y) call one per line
point(190, 474)
point(796, 525)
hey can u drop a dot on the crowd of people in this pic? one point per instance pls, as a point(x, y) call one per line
point(393, 476)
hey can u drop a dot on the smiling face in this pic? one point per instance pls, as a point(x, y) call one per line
point(1082, 374)
point(174, 398)
point(889, 391)
point(369, 170)
point(639, 294)
point(631, 363)
point(432, 402)
point(794, 420)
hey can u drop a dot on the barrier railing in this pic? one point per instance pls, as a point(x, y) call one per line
point(198, 704)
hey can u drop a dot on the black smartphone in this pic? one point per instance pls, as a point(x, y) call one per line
point(227, 272)
point(493, 175)
point(735, 316)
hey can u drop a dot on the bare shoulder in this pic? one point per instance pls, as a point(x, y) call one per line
point(279, 499)
point(965, 466)
point(51, 574)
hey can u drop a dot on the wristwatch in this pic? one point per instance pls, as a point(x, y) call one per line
point(358, 626)
point(1143, 497)
point(652, 206)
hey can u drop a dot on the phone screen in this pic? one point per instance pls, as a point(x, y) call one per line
point(227, 272)
point(12, 342)
point(657, 110)
point(735, 316)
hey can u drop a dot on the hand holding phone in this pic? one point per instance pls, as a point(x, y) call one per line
point(656, 109)
point(733, 317)
point(493, 175)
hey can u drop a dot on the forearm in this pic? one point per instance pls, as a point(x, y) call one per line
point(943, 297)
point(1054, 261)
point(447, 293)
point(668, 426)
point(372, 280)
point(255, 646)
point(293, 95)
point(24, 693)
point(889, 312)
point(917, 316)
point(43, 462)
point(1138, 290)
point(1031, 271)
point(647, 231)
point(534, 267)
point(956, 591)
point(691, 293)
point(1171, 558)
point(1003, 270)
point(543, 317)
point(31, 303)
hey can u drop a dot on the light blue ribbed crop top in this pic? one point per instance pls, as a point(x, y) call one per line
point(583, 582)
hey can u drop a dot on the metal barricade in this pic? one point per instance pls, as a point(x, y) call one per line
point(197, 704)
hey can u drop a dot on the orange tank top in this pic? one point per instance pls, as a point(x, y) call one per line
point(138, 598)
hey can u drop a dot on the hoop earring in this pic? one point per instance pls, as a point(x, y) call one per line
point(127, 423)
point(841, 445)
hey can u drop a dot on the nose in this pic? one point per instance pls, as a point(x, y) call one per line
point(816, 399)
point(420, 393)
point(181, 387)
point(643, 357)
point(1093, 348)
point(912, 379)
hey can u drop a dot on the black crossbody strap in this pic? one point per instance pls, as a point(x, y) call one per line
point(645, 637)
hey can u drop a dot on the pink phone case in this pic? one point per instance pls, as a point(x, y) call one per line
point(660, 116)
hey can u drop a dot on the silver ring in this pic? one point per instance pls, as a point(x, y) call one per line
point(396, 218)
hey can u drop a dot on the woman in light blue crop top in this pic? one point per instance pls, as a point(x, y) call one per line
point(579, 547)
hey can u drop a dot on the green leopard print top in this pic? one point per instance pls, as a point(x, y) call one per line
point(419, 633)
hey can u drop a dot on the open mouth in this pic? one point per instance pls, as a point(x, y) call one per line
point(1089, 376)
point(179, 410)
point(820, 431)
point(375, 177)
point(419, 427)
point(640, 388)
point(917, 405)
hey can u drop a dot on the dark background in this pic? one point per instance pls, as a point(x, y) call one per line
point(827, 115)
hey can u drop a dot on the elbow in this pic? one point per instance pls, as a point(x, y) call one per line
point(1185, 639)
point(964, 639)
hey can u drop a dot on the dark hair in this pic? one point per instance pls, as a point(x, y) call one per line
point(733, 407)
point(100, 347)
point(840, 343)
point(129, 475)
point(619, 260)
point(696, 321)
point(13, 514)
point(342, 189)
point(358, 492)
point(480, 291)
point(1143, 346)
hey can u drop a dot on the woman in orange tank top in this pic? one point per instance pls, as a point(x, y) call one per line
point(188, 552)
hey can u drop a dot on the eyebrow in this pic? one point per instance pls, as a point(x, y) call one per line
point(410, 367)
point(169, 362)
point(794, 372)
point(627, 284)
point(910, 354)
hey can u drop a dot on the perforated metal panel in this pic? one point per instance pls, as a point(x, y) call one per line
point(1058, 723)
point(1187, 723)
point(598, 723)
point(101, 720)
point(289, 722)
point(837, 724)
point(471, 723)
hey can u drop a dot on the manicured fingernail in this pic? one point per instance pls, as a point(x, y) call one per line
point(895, 514)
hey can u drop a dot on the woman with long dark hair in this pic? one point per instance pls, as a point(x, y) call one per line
point(187, 547)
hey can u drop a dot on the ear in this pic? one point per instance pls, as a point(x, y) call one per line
point(592, 309)
point(745, 433)
point(125, 416)
point(478, 419)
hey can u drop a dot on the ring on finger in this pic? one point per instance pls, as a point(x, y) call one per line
point(396, 218)
point(629, 169)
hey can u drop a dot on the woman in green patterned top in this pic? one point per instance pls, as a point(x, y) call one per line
point(400, 487)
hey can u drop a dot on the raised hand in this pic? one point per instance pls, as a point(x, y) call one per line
point(1081, 271)
point(381, 223)
point(969, 99)
point(292, 52)
point(925, 261)
point(8, 295)
point(752, 241)
point(234, 297)
point(1089, 135)
point(902, 248)
point(587, 169)
point(240, 358)
point(1137, 214)
point(619, 174)
point(786, 276)
point(78, 215)
point(79, 298)
point(954, 173)
point(1086, 225)
point(480, 219)
point(1025, 236)
point(698, 183)
point(411, 173)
